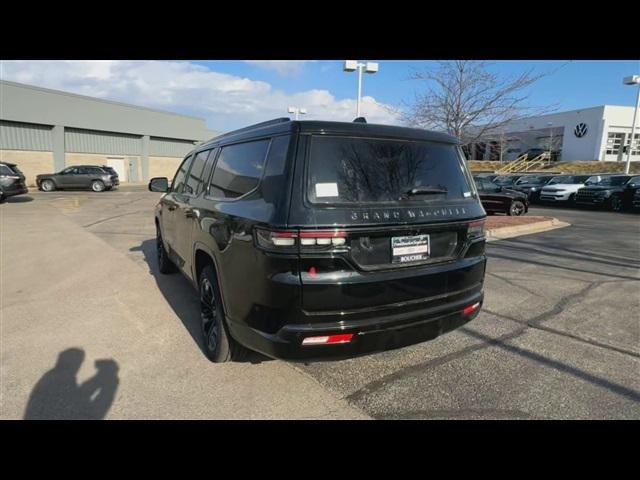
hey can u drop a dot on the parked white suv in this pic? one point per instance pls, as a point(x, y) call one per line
point(563, 188)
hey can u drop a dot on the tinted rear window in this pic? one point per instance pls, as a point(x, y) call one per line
point(370, 170)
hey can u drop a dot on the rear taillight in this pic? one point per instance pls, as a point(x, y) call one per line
point(307, 240)
point(277, 240)
point(322, 237)
point(476, 229)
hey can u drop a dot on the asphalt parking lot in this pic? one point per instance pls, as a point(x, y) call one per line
point(558, 338)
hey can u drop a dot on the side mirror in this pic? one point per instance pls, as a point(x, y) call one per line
point(159, 184)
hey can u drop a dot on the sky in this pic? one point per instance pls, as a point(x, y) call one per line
point(233, 94)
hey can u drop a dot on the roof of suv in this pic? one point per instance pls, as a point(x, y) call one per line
point(286, 125)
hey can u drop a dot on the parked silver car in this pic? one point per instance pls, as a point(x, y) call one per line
point(96, 178)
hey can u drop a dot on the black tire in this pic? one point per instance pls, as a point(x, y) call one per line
point(616, 203)
point(97, 186)
point(572, 200)
point(165, 265)
point(219, 346)
point(2, 197)
point(47, 186)
point(516, 208)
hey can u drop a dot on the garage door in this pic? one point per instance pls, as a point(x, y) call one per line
point(118, 165)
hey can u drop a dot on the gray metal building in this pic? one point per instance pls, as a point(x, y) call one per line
point(45, 130)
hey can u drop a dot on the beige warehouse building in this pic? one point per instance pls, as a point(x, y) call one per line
point(44, 131)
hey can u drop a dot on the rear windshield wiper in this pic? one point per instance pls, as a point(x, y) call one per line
point(425, 191)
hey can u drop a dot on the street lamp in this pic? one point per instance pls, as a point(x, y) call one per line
point(550, 124)
point(632, 80)
point(297, 111)
point(352, 66)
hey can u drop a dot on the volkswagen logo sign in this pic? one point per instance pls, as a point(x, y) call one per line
point(580, 130)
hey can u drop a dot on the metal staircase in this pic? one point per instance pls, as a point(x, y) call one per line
point(523, 164)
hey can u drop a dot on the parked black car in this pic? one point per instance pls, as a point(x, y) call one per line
point(628, 198)
point(12, 181)
point(498, 199)
point(602, 193)
point(508, 180)
point(488, 176)
point(311, 240)
point(531, 185)
point(96, 178)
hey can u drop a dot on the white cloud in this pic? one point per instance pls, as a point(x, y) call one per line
point(226, 101)
point(283, 67)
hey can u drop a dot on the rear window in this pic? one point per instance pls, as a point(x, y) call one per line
point(5, 170)
point(371, 170)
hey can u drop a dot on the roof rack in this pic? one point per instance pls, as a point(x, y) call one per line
point(275, 121)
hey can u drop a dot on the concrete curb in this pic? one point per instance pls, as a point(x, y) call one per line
point(517, 230)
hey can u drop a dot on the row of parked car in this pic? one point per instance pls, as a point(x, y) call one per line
point(94, 177)
point(512, 194)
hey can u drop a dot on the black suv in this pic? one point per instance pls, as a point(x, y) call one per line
point(601, 194)
point(310, 240)
point(12, 181)
point(531, 185)
point(498, 199)
point(629, 197)
point(93, 177)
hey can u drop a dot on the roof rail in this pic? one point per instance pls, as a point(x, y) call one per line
point(251, 127)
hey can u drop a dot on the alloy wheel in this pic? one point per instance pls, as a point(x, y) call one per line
point(517, 208)
point(209, 315)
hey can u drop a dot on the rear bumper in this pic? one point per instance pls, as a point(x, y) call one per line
point(397, 327)
point(10, 192)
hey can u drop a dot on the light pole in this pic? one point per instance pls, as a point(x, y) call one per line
point(297, 111)
point(632, 80)
point(352, 66)
point(550, 124)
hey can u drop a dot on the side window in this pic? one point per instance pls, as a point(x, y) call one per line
point(238, 169)
point(196, 174)
point(181, 174)
point(95, 171)
point(4, 170)
point(275, 176)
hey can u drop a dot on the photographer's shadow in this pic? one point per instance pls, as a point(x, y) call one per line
point(58, 396)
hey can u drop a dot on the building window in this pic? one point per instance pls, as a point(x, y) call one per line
point(635, 148)
point(614, 143)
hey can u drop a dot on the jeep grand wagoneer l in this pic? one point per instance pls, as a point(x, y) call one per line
point(311, 240)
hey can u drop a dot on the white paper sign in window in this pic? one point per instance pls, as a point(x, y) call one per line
point(326, 190)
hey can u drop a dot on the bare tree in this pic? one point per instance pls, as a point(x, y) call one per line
point(465, 99)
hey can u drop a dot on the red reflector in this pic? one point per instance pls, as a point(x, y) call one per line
point(328, 339)
point(470, 308)
point(312, 271)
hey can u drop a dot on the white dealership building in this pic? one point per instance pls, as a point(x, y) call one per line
point(595, 133)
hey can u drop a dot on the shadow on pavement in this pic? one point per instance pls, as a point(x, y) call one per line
point(182, 298)
point(58, 396)
point(18, 199)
